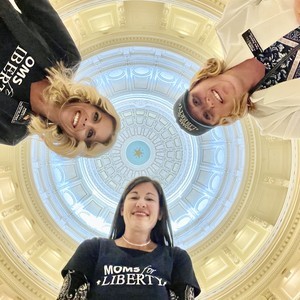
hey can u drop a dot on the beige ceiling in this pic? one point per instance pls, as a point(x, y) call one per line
point(253, 254)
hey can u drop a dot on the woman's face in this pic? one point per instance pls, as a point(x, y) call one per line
point(214, 98)
point(86, 122)
point(141, 209)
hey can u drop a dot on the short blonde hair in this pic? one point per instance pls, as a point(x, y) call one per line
point(212, 68)
point(64, 89)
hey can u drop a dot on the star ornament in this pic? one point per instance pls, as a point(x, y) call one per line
point(138, 153)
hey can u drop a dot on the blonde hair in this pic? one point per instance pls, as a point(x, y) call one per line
point(63, 89)
point(212, 68)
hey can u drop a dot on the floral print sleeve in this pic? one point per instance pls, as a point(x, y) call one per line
point(183, 293)
point(75, 287)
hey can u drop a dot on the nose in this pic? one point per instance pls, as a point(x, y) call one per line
point(210, 103)
point(84, 122)
point(141, 203)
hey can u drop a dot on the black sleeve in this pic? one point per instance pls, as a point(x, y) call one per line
point(75, 286)
point(183, 292)
point(43, 15)
point(84, 259)
point(184, 281)
point(12, 133)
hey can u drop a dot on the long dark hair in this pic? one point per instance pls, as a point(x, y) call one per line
point(162, 231)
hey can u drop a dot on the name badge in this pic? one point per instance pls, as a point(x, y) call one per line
point(22, 114)
point(252, 43)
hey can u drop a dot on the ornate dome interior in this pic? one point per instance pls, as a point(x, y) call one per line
point(233, 195)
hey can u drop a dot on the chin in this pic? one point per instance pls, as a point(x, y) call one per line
point(68, 132)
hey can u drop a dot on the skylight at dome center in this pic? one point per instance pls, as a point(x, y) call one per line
point(201, 176)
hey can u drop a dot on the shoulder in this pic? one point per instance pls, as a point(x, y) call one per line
point(237, 10)
point(178, 251)
point(180, 255)
point(91, 248)
point(261, 9)
point(93, 243)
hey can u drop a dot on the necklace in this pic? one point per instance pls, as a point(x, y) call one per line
point(137, 245)
point(48, 123)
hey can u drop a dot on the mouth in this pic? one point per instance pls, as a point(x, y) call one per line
point(217, 96)
point(76, 119)
point(140, 214)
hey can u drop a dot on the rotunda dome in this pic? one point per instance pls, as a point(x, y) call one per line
point(200, 175)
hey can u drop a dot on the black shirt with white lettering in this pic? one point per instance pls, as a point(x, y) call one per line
point(116, 273)
point(17, 67)
point(31, 41)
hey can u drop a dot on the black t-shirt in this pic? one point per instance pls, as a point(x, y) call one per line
point(116, 273)
point(31, 41)
point(18, 68)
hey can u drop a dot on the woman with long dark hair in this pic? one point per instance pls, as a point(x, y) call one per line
point(138, 261)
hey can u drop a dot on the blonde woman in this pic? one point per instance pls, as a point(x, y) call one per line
point(260, 74)
point(38, 94)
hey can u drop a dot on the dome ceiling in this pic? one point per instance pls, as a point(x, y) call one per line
point(198, 175)
point(233, 195)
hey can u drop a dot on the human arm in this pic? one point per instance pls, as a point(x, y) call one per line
point(75, 286)
point(51, 27)
point(184, 283)
point(183, 292)
point(297, 9)
point(14, 118)
point(79, 270)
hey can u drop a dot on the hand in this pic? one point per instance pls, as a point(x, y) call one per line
point(297, 9)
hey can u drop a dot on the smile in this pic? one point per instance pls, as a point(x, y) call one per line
point(217, 96)
point(76, 119)
point(140, 214)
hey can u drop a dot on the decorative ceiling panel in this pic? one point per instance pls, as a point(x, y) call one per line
point(247, 225)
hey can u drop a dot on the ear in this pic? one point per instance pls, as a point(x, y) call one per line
point(122, 211)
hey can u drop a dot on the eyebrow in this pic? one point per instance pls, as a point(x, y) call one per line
point(92, 140)
point(100, 114)
point(98, 108)
point(149, 193)
point(100, 118)
point(197, 98)
point(132, 192)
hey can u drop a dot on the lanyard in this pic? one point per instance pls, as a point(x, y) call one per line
point(274, 69)
point(256, 49)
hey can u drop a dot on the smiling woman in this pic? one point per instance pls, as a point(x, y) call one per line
point(259, 75)
point(139, 260)
point(82, 123)
point(37, 92)
point(86, 123)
